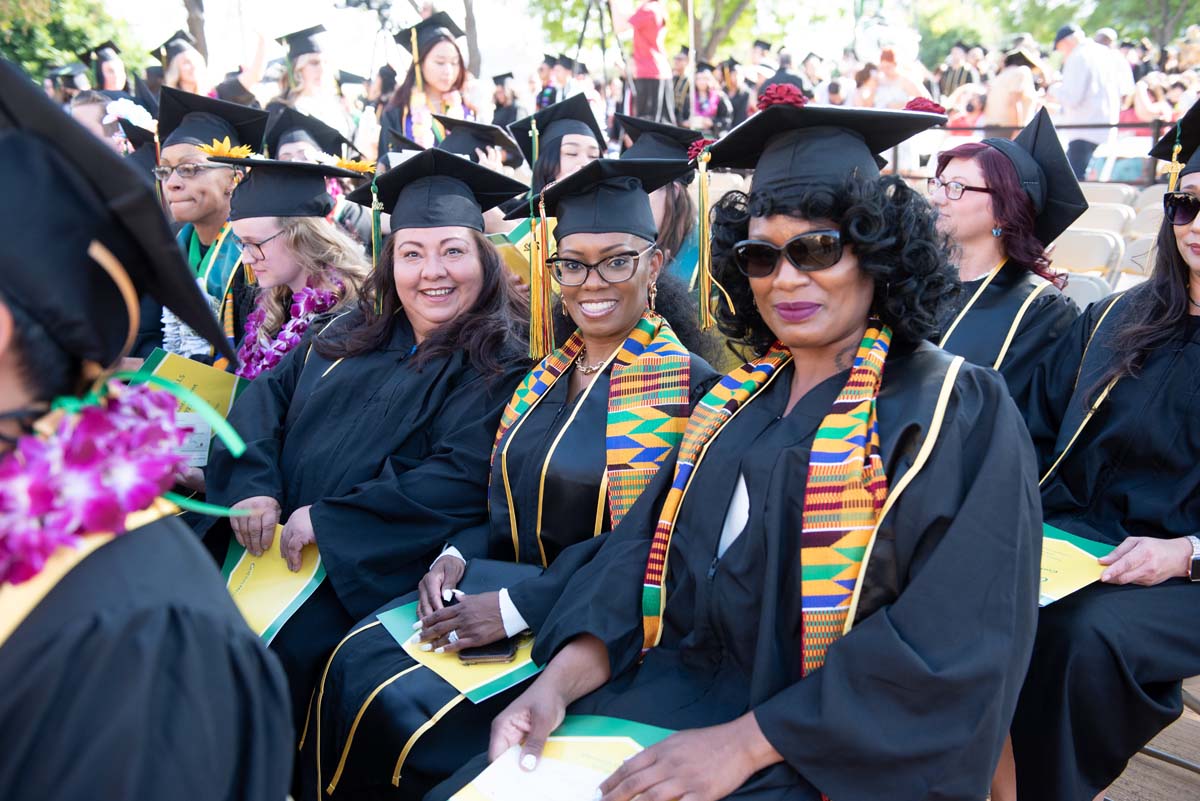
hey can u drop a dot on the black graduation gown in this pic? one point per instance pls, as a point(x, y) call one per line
point(914, 702)
point(570, 433)
point(136, 677)
point(1000, 312)
point(1108, 660)
point(390, 458)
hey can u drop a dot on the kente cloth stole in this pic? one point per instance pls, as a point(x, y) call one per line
point(648, 399)
point(844, 495)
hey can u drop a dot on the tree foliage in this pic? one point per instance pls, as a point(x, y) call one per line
point(40, 34)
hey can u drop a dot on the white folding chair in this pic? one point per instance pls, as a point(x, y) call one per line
point(1081, 250)
point(1150, 196)
point(1113, 217)
point(1099, 192)
point(1146, 223)
point(1085, 289)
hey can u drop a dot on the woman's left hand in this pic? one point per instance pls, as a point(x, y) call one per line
point(297, 533)
point(694, 765)
point(192, 478)
point(1147, 561)
point(491, 157)
point(475, 618)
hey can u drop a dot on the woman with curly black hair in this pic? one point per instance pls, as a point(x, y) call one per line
point(832, 590)
point(1002, 203)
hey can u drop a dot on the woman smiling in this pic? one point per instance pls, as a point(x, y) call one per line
point(373, 443)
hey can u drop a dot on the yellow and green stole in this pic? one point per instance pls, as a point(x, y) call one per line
point(648, 397)
point(216, 269)
point(843, 498)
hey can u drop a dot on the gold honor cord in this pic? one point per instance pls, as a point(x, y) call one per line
point(978, 292)
point(1016, 323)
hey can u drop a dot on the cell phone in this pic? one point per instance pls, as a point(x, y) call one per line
point(494, 653)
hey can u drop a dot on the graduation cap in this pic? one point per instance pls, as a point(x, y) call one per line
point(1180, 146)
point(762, 45)
point(291, 126)
point(72, 76)
point(791, 147)
point(961, 45)
point(435, 189)
point(656, 140)
point(275, 188)
point(108, 51)
point(704, 66)
point(567, 63)
point(301, 43)
point(549, 60)
point(1021, 57)
point(397, 142)
point(76, 190)
point(464, 137)
point(570, 116)
point(730, 63)
point(144, 154)
point(581, 69)
point(500, 80)
point(428, 32)
point(178, 42)
point(186, 118)
point(1046, 175)
point(811, 55)
point(607, 196)
point(344, 78)
point(684, 51)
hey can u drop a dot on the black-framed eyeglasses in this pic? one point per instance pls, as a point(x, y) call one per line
point(255, 248)
point(808, 252)
point(1181, 208)
point(954, 189)
point(187, 171)
point(616, 269)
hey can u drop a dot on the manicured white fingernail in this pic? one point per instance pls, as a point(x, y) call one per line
point(418, 626)
point(428, 647)
point(441, 649)
point(447, 595)
point(458, 593)
point(528, 762)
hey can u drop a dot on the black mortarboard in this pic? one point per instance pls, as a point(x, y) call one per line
point(75, 189)
point(762, 45)
point(1046, 175)
point(349, 78)
point(1185, 133)
point(961, 45)
point(704, 66)
point(810, 56)
point(1022, 58)
point(792, 147)
point(500, 80)
point(684, 51)
point(282, 188)
point(570, 116)
point(71, 75)
point(549, 60)
point(301, 43)
point(397, 142)
point(580, 68)
point(429, 31)
point(464, 137)
point(730, 63)
point(108, 51)
point(186, 118)
point(144, 154)
point(567, 63)
point(656, 140)
point(138, 136)
point(435, 188)
point(607, 196)
point(232, 90)
point(180, 40)
point(291, 126)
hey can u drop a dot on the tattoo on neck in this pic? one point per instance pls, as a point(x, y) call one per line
point(844, 360)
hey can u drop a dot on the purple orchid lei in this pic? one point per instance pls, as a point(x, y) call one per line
point(100, 463)
point(256, 357)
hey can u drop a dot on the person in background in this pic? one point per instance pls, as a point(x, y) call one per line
point(956, 72)
point(784, 75)
point(651, 75)
point(895, 87)
point(812, 71)
point(108, 68)
point(1121, 71)
point(835, 95)
point(433, 85)
point(1088, 94)
point(681, 85)
point(547, 94)
point(866, 82)
point(89, 110)
point(740, 97)
point(712, 111)
point(186, 70)
point(506, 110)
point(977, 58)
point(1012, 95)
point(314, 80)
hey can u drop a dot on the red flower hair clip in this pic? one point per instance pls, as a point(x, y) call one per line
point(923, 104)
point(782, 94)
point(697, 147)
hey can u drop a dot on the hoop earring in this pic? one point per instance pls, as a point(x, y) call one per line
point(653, 295)
point(997, 231)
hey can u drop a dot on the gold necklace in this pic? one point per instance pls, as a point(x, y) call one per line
point(583, 367)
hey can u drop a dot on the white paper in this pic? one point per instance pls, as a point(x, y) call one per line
point(552, 780)
point(195, 447)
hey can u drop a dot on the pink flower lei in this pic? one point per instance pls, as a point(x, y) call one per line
point(255, 356)
point(102, 462)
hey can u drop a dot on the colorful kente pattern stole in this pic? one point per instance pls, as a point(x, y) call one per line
point(845, 492)
point(648, 403)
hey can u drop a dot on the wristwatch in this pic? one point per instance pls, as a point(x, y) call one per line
point(1194, 569)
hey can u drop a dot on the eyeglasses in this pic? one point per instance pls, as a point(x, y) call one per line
point(1181, 208)
point(255, 248)
point(808, 252)
point(954, 189)
point(186, 171)
point(614, 270)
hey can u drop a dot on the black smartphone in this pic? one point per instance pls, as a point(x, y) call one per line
point(495, 653)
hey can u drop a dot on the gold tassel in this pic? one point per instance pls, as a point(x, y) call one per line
point(376, 237)
point(416, 54)
point(1176, 167)
point(706, 280)
point(541, 327)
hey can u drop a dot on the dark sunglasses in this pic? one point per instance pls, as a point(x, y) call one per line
point(1181, 207)
point(808, 252)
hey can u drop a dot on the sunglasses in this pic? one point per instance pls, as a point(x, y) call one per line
point(1181, 208)
point(808, 252)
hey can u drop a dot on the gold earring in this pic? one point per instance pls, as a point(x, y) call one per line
point(653, 295)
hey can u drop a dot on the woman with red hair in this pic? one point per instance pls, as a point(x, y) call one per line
point(1001, 203)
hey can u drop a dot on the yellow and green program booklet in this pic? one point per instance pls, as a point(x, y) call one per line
point(1068, 563)
point(266, 592)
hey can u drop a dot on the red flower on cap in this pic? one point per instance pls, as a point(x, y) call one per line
point(782, 94)
point(695, 148)
point(922, 104)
